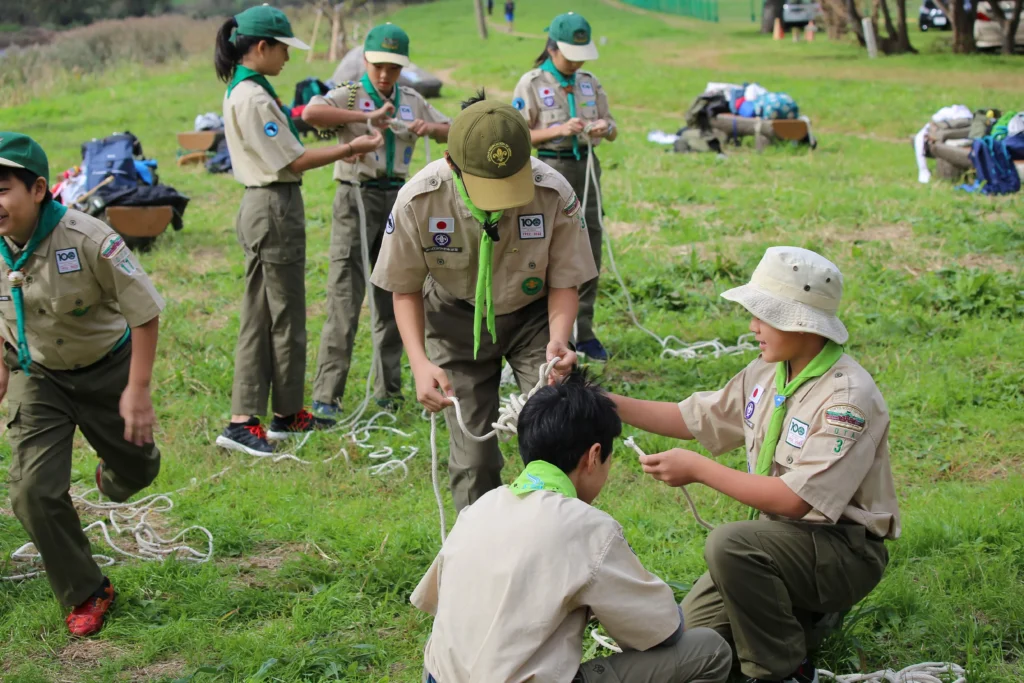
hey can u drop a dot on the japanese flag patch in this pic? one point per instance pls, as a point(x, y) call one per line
point(587, 88)
point(531, 227)
point(545, 91)
point(796, 435)
point(405, 113)
point(442, 225)
point(67, 261)
point(366, 105)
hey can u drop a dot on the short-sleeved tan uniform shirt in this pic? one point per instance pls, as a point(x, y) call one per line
point(544, 103)
point(517, 580)
point(431, 232)
point(83, 288)
point(259, 139)
point(411, 107)
point(834, 447)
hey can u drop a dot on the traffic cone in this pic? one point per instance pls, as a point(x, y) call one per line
point(778, 34)
point(809, 32)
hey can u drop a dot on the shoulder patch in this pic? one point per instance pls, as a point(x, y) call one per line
point(112, 245)
point(573, 207)
point(846, 416)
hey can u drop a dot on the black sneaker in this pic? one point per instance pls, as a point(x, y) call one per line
point(805, 673)
point(328, 410)
point(299, 423)
point(248, 437)
point(390, 403)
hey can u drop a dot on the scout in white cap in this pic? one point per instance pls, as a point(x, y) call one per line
point(565, 107)
point(819, 484)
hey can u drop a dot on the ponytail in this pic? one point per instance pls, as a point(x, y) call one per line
point(228, 54)
point(543, 57)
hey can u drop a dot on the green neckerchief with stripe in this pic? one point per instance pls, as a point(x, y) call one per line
point(244, 73)
point(540, 475)
point(389, 137)
point(485, 267)
point(50, 214)
point(821, 364)
point(568, 83)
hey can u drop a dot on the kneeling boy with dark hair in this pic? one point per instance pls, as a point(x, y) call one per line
point(527, 565)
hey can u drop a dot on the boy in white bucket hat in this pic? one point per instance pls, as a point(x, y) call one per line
point(818, 481)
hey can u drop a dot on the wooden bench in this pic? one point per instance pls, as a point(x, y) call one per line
point(766, 131)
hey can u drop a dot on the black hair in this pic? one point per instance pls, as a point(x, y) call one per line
point(543, 57)
point(560, 423)
point(227, 55)
point(25, 176)
point(480, 96)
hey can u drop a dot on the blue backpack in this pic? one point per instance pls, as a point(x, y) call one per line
point(112, 156)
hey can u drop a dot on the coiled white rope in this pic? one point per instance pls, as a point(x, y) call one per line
point(505, 427)
point(927, 672)
point(671, 346)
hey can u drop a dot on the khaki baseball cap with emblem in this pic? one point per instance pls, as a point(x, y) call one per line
point(490, 143)
point(795, 290)
point(265, 21)
point(21, 151)
point(572, 34)
point(387, 44)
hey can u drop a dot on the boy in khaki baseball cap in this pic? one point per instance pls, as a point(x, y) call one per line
point(818, 482)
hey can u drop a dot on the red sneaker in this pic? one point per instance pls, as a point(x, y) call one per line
point(87, 619)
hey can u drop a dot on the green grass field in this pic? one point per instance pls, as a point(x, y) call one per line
point(314, 564)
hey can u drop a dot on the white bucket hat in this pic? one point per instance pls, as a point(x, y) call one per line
point(795, 290)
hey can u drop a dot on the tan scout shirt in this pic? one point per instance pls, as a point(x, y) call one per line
point(834, 447)
point(514, 585)
point(259, 139)
point(412, 106)
point(82, 289)
point(431, 232)
point(543, 103)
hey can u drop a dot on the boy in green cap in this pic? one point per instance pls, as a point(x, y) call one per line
point(490, 233)
point(404, 116)
point(79, 322)
point(565, 108)
point(819, 484)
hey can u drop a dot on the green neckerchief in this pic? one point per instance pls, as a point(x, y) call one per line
point(485, 268)
point(821, 364)
point(568, 83)
point(50, 215)
point(244, 73)
point(389, 137)
point(543, 476)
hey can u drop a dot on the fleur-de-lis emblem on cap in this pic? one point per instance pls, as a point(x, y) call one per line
point(499, 154)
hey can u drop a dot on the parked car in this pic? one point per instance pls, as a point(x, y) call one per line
point(987, 32)
point(799, 13)
point(930, 16)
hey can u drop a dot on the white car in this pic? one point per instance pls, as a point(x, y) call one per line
point(987, 32)
point(799, 13)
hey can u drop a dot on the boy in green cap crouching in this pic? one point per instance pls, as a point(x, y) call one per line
point(79, 323)
point(819, 484)
point(527, 565)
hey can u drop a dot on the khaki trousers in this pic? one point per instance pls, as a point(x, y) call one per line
point(46, 407)
point(346, 286)
point(768, 582)
point(576, 173)
point(475, 468)
point(271, 350)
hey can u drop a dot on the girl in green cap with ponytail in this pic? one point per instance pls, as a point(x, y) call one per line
point(566, 108)
point(268, 159)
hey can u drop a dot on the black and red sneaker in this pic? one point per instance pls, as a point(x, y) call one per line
point(248, 437)
point(297, 424)
point(87, 619)
point(805, 673)
point(99, 477)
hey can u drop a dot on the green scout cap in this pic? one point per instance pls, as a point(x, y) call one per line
point(265, 21)
point(387, 44)
point(490, 143)
point(21, 151)
point(572, 33)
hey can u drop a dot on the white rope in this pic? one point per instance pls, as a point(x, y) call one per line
point(693, 507)
point(130, 520)
point(671, 346)
point(504, 428)
point(927, 672)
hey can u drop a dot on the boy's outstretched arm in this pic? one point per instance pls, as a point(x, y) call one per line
point(656, 417)
point(772, 495)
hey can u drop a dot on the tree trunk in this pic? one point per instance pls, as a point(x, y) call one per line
point(481, 21)
point(772, 9)
point(903, 38)
point(835, 17)
point(963, 28)
point(1010, 28)
point(855, 22)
